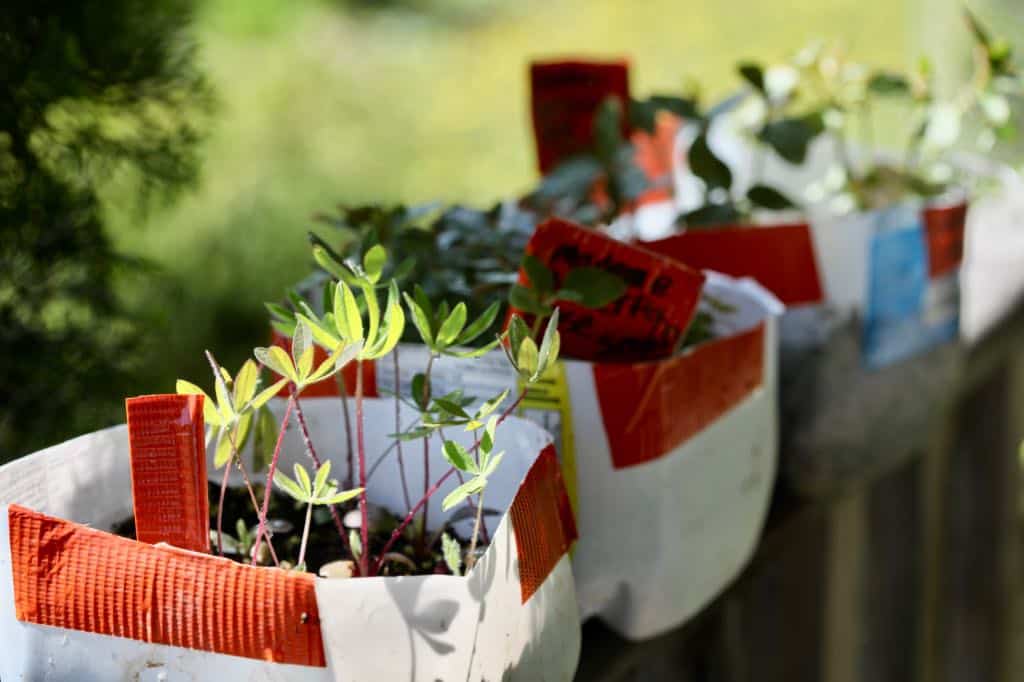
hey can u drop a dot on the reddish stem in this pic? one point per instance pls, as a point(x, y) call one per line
point(433, 489)
point(270, 480)
point(364, 523)
point(311, 451)
point(343, 392)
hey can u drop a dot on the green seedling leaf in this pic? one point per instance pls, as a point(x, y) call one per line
point(888, 84)
point(210, 415)
point(302, 341)
point(767, 197)
point(373, 262)
point(753, 74)
point(420, 391)
point(420, 320)
point(223, 453)
point(541, 278)
point(527, 357)
point(266, 437)
point(549, 347)
point(264, 396)
point(492, 464)
point(706, 166)
point(338, 498)
point(393, 328)
point(320, 480)
point(451, 407)
point(452, 326)
point(791, 137)
point(475, 352)
point(452, 553)
point(486, 409)
point(525, 299)
point(290, 487)
point(277, 360)
point(479, 325)
point(279, 312)
point(347, 318)
point(302, 478)
point(327, 262)
point(470, 487)
point(245, 383)
point(596, 287)
point(458, 457)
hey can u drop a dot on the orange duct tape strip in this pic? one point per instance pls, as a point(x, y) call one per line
point(645, 323)
point(649, 409)
point(944, 230)
point(70, 576)
point(780, 257)
point(329, 387)
point(564, 98)
point(168, 462)
point(543, 522)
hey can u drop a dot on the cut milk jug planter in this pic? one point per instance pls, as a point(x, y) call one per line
point(669, 463)
point(79, 603)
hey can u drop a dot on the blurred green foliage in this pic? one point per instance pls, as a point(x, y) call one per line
point(91, 90)
point(327, 101)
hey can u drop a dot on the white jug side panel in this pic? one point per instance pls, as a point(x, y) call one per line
point(86, 479)
point(841, 248)
point(425, 628)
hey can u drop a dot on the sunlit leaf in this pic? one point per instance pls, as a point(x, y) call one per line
point(245, 383)
point(302, 478)
point(373, 262)
point(261, 398)
point(452, 326)
point(470, 487)
point(210, 415)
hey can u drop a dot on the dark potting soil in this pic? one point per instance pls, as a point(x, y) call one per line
point(286, 517)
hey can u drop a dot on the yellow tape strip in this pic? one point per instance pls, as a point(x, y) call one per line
point(550, 394)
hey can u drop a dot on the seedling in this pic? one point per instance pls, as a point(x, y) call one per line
point(319, 491)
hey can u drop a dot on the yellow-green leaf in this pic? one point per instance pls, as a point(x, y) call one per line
point(245, 383)
point(210, 416)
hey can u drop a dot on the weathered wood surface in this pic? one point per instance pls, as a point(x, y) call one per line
point(900, 566)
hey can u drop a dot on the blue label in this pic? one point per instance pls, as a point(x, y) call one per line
point(906, 311)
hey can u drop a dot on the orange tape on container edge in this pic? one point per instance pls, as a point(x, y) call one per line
point(647, 322)
point(564, 96)
point(944, 230)
point(543, 522)
point(167, 439)
point(328, 388)
point(78, 578)
point(650, 409)
point(780, 257)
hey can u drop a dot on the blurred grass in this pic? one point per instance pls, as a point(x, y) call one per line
point(325, 102)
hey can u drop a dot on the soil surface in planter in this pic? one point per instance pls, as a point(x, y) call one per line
point(412, 555)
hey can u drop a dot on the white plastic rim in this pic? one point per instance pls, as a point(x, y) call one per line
point(418, 628)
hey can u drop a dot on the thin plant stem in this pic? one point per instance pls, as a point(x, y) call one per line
point(364, 521)
point(270, 479)
point(398, 429)
point(395, 534)
point(421, 541)
point(311, 451)
point(471, 559)
point(349, 453)
point(220, 510)
point(305, 537)
point(237, 458)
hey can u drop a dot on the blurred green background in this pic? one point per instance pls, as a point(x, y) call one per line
point(325, 102)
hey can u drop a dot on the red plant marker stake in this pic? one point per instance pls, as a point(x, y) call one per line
point(168, 461)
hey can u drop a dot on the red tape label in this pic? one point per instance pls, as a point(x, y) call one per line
point(564, 98)
point(944, 230)
point(781, 258)
point(650, 409)
point(646, 323)
point(543, 522)
point(70, 576)
point(168, 462)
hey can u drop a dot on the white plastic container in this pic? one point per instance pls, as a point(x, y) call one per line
point(186, 616)
point(670, 464)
